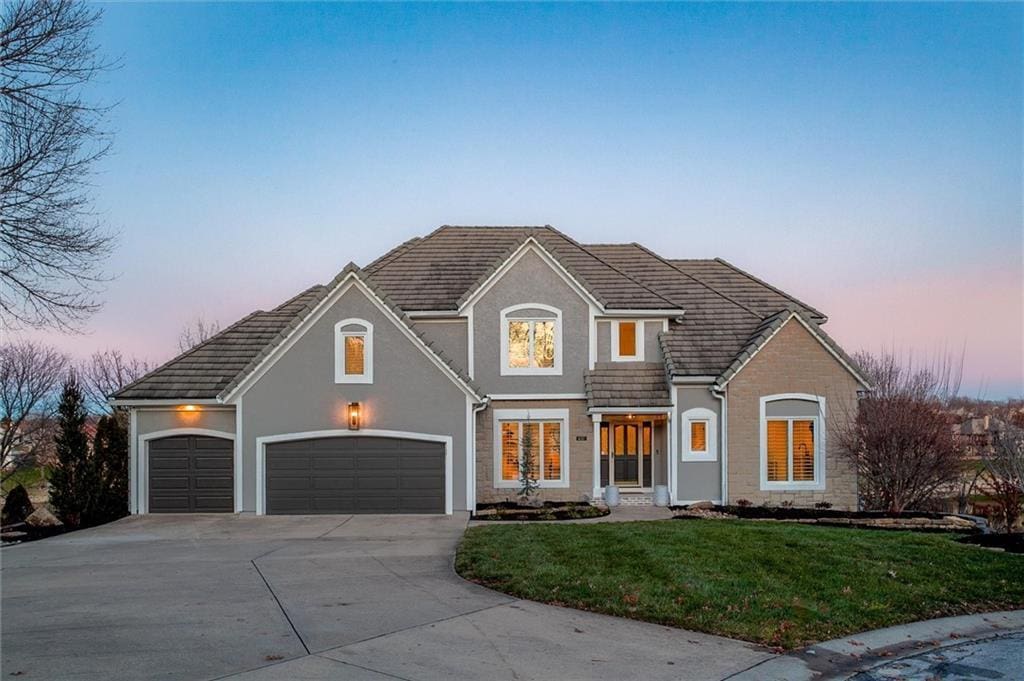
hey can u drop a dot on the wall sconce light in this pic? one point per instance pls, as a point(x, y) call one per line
point(354, 415)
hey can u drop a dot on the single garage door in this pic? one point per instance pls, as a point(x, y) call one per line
point(355, 475)
point(191, 474)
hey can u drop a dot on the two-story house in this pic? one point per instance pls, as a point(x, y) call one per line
point(408, 386)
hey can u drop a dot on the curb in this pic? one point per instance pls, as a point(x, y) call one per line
point(841, 658)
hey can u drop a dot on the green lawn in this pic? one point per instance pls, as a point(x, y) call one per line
point(778, 584)
point(29, 477)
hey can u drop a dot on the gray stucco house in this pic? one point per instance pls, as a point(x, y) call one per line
point(407, 386)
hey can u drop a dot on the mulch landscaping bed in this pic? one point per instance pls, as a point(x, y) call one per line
point(1011, 543)
point(549, 510)
point(919, 521)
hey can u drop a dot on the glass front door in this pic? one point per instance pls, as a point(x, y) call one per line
point(626, 454)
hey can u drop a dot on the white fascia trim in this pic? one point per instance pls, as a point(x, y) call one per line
point(435, 315)
point(639, 325)
point(816, 485)
point(531, 415)
point(342, 287)
point(340, 376)
point(142, 496)
point(530, 244)
point(711, 437)
point(504, 368)
point(630, 410)
point(538, 396)
point(261, 456)
point(178, 402)
point(629, 313)
point(686, 380)
point(817, 337)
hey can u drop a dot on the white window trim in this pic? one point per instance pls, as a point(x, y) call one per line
point(711, 434)
point(339, 351)
point(556, 370)
point(639, 356)
point(818, 484)
point(561, 415)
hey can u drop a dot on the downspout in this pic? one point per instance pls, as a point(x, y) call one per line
point(476, 410)
point(719, 394)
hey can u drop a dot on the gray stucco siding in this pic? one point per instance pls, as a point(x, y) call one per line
point(409, 393)
point(698, 480)
point(530, 280)
point(450, 336)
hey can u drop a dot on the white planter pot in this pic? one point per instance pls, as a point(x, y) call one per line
point(661, 495)
point(611, 495)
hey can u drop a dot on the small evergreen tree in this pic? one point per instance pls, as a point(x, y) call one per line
point(72, 479)
point(528, 466)
point(110, 463)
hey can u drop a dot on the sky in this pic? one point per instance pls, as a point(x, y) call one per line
point(866, 158)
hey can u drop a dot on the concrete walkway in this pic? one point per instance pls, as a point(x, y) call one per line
point(307, 598)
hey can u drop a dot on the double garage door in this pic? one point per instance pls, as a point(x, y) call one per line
point(194, 474)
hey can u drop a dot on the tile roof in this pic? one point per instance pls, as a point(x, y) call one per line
point(727, 311)
point(627, 384)
point(442, 270)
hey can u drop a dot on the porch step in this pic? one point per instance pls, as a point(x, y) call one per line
point(634, 499)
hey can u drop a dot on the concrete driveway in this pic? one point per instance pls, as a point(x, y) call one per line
point(322, 597)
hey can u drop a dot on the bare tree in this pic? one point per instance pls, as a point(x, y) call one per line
point(30, 378)
point(1004, 473)
point(197, 331)
point(106, 372)
point(901, 440)
point(51, 246)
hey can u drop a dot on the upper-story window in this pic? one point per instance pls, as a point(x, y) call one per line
point(353, 351)
point(627, 341)
point(531, 340)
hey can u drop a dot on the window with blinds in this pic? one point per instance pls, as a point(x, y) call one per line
point(545, 439)
point(791, 450)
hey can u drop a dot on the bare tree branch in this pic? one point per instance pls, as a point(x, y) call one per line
point(106, 372)
point(30, 377)
point(51, 245)
point(197, 331)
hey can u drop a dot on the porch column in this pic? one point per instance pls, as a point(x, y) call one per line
point(597, 455)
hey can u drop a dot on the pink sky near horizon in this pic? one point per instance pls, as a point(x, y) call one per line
point(976, 310)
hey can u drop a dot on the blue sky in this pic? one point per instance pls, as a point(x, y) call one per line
point(866, 157)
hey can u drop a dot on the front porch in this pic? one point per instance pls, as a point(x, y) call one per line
point(631, 452)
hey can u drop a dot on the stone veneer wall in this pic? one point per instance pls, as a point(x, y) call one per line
point(792, 362)
point(581, 454)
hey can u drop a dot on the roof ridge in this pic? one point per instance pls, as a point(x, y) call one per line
point(699, 281)
point(764, 283)
point(292, 299)
point(616, 269)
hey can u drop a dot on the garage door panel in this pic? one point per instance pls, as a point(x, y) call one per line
point(191, 474)
point(362, 474)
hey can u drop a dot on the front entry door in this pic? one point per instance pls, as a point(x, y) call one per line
point(626, 454)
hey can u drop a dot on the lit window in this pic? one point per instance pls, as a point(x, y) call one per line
point(353, 351)
point(700, 428)
point(530, 338)
point(627, 341)
point(791, 450)
point(545, 437)
point(699, 436)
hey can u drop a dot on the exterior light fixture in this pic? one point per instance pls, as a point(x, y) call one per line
point(190, 407)
point(354, 415)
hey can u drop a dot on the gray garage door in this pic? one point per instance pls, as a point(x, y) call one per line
point(355, 475)
point(191, 474)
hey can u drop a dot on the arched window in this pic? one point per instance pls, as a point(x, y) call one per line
point(353, 351)
point(531, 340)
point(792, 442)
